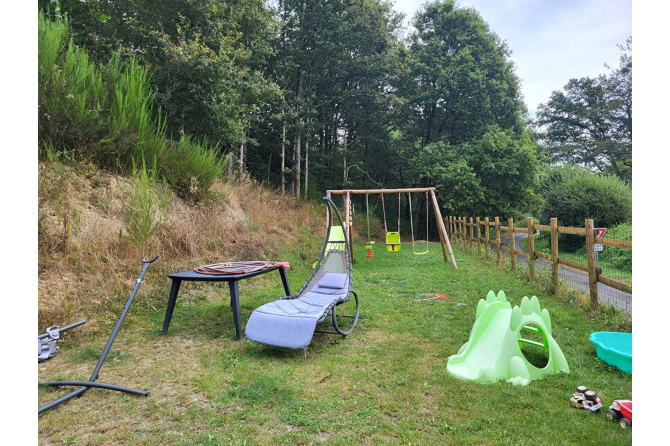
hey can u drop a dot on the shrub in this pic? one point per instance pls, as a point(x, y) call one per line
point(70, 92)
point(146, 207)
point(573, 195)
point(191, 167)
point(105, 114)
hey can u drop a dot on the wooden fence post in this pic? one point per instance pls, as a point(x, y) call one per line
point(498, 242)
point(488, 237)
point(554, 254)
point(349, 225)
point(479, 236)
point(591, 262)
point(458, 228)
point(465, 231)
point(512, 243)
point(531, 247)
point(472, 229)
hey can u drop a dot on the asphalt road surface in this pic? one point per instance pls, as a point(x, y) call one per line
point(577, 279)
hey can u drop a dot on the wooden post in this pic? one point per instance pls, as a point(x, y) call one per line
point(591, 262)
point(498, 242)
point(554, 254)
point(488, 237)
point(347, 223)
point(443, 232)
point(465, 232)
point(472, 233)
point(440, 229)
point(531, 247)
point(479, 236)
point(512, 243)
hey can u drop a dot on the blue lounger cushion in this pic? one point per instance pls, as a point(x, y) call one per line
point(291, 322)
point(331, 283)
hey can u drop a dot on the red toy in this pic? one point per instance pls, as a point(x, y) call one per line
point(370, 254)
point(621, 411)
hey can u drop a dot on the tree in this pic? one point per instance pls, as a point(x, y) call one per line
point(495, 175)
point(590, 121)
point(463, 79)
point(204, 56)
point(332, 61)
point(460, 124)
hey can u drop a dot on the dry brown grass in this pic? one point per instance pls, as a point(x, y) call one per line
point(86, 264)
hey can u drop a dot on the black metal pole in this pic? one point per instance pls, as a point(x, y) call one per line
point(88, 384)
point(95, 384)
point(67, 397)
point(60, 330)
point(103, 356)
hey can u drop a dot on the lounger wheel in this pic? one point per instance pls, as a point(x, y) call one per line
point(333, 313)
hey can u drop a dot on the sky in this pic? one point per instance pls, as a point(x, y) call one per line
point(552, 41)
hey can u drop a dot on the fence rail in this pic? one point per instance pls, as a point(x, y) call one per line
point(489, 236)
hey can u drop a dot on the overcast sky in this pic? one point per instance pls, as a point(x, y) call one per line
point(552, 41)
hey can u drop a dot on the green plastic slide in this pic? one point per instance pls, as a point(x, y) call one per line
point(494, 351)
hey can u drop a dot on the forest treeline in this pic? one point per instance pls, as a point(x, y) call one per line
point(310, 95)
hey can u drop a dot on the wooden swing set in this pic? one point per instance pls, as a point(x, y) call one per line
point(393, 238)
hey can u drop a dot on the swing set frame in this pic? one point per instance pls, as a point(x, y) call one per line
point(347, 193)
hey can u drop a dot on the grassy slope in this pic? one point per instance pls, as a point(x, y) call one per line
point(384, 384)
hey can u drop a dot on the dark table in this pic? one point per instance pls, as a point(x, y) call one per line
point(232, 280)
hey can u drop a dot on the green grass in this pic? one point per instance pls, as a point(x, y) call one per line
point(386, 383)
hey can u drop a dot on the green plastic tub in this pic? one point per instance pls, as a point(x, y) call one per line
point(615, 349)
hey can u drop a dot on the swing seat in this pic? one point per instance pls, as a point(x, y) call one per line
point(393, 241)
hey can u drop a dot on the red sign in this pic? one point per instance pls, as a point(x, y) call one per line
point(600, 232)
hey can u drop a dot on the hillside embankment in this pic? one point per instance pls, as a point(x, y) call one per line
point(87, 264)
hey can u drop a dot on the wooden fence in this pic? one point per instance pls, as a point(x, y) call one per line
point(463, 229)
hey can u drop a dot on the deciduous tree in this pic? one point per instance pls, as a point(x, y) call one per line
point(589, 122)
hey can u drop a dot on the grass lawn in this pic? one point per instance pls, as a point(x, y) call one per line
point(385, 384)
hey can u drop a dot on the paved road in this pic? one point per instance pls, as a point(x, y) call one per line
point(576, 279)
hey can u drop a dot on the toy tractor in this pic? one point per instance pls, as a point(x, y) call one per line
point(621, 411)
point(586, 399)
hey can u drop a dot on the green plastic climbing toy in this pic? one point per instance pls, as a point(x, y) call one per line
point(494, 351)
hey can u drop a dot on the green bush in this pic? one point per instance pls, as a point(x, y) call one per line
point(105, 115)
point(573, 195)
point(191, 167)
point(146, 207)
point(71, 94)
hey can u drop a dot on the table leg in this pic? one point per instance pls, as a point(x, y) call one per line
point(284, 281)
point(171, 302)
point(235, 303)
